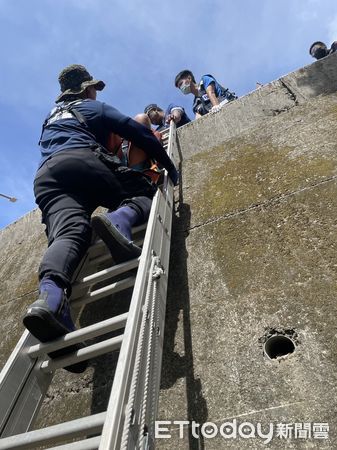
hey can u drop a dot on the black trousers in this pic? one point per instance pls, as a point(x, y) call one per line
point(68, 188)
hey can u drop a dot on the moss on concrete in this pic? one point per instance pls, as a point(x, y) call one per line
point(256, 174)
point(282, 246)
point(257, 251)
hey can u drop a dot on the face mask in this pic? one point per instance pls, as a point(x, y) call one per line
point(320, 53)
point(185, 88)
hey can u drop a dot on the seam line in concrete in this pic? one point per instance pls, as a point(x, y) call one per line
point(270, 202)
point(225, 419)
point(19, 297)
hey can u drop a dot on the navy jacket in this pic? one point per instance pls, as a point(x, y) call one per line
point(62, 130)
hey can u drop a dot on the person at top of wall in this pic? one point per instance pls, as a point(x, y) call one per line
point(209, 95)
point(319, 50)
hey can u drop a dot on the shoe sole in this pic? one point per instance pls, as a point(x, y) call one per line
point(43, 325)
point(120, 248)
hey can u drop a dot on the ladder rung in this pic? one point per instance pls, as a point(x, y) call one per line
point(106, 273)
point(56, 433)
point(100, 259)
point(99, 245)
point(89, 332)
point(96, 247)
point(112, 288)
point(103, 248)
point(87, 444)
point(83, 354)
point(139, 242)
point(106, 256)
point(139, 228)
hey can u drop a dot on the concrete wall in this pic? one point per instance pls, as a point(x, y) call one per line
point(21, 247)
point(253, 253)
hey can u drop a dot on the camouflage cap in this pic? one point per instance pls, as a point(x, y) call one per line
point(74, 79)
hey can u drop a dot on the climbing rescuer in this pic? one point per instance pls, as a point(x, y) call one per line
point(77, 174)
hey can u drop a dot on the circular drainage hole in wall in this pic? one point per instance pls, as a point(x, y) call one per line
point(278, 346)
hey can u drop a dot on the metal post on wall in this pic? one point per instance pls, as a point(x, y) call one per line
point(11, 199)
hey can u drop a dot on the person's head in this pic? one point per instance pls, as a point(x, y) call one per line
point(183, 81)
point(318, 50)
point(333, 47)
point(154, 113)
point(76, 82)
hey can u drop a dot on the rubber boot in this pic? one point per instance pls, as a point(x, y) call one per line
point(115, 229)
point(49, 318)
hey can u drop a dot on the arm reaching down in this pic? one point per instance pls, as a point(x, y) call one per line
point(212, 95)
point(141, 136)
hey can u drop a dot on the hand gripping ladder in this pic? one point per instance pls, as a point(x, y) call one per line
point(128, 422)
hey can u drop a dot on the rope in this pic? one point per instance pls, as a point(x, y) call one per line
point(156, 273)
point(139, 354)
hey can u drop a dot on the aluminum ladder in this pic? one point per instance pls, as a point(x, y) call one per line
point(128, 422)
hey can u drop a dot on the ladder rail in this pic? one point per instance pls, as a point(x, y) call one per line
point(24, 379)
point(117, 401)
point(157, 240)
point(26, 376)
point(15, 384)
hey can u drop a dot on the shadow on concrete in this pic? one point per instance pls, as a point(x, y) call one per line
point(178, 308)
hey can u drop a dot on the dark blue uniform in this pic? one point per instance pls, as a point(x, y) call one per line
point(72, 181)
point(63, 131)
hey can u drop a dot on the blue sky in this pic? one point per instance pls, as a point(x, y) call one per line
point(137, 47)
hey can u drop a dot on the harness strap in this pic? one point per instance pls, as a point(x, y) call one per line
point(70, 108)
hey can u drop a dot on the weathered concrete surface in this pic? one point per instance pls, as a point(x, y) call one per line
point(21, 247)
point(255, 249)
